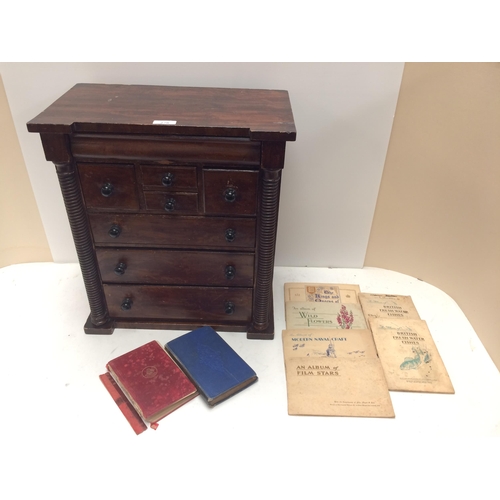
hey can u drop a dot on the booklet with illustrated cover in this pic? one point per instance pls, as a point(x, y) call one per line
point(409, 356)
point(334, 373)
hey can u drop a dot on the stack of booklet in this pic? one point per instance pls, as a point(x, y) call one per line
point(344, 350)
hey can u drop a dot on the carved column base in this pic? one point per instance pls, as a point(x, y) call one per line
point(104, 329)
point(268, 332)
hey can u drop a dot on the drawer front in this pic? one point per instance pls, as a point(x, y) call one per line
point(175, 267)
point(109, 187)
point(204, 304)
point(170, 178)
point(165, 230)
point(174, 149)
point(172, 203)
point(230, 192)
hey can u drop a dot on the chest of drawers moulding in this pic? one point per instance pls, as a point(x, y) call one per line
point(172, 197)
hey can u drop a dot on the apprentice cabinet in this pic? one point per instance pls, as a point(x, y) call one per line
point(172, 197)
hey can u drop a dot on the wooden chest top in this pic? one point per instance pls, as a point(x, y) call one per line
point(97, 108)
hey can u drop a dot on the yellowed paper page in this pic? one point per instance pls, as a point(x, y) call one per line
point(328, 344)
point(321, 292)
point(337, 387)
point(409, 356)
point(387, 306)
point(321, 315)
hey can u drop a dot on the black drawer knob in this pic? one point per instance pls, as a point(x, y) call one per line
point(229, 308)
point(230, 235)
point(230, 195)
point(107, 189)
point(230, 272)
point(126, 304)
point(168, 179)
point(170, 205)
point(115, 231)
point(120, 268)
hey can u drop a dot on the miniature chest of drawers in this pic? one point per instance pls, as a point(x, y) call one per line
point(172, 198)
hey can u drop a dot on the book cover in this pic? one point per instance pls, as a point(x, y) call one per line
point(409, 356)
point(319, 315)
point(321, 292)
point(377, 305)
point(151, 381)
point(215, 368)
point(326, 344)
point(122, 402)
point(341, 387)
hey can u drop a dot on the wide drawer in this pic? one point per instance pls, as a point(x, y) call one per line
point(175, 267)
point(109, 187)
point(201, 304)
point(163, 148)
point(166, 230)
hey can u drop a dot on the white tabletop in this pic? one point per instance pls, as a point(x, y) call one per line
point(63, 435)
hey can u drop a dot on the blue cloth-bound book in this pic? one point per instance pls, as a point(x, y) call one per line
point(214, 367)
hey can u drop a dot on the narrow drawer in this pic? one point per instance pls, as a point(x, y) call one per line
point(175, 149)
point(230, 192)
point(172, 203)
point(204, 304)
point(165, 230)
point(176, 267)
point(170, 178)
point(109, 187)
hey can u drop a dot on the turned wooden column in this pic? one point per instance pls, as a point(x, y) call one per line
point(56, 147)
point(273, 158)
point(70, 188)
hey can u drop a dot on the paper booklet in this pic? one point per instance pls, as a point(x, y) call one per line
point(387, 306)
point(409, 356)
point(321, 292)
point(334, 373)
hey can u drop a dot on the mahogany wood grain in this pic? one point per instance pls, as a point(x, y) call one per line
point(166, 149)
point(172, 231)
point(174, 222)
point(169, 178)
point(118, 180)
point(130, 109)
point(179, 303)
point(219, 186)
point(174, 203)
point(176, 267)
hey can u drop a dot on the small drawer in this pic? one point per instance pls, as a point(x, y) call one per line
point(120, 230)
point(169, 178)
point(200, 304)
point(172, 203)
point(230, 192)
point(109, 187)
point(176, 267)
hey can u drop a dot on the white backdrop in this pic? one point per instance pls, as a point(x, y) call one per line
point(343, 114)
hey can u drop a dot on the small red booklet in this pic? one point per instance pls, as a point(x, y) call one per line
point(151, 381)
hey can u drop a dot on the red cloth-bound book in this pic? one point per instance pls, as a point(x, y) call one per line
point(152, 381)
